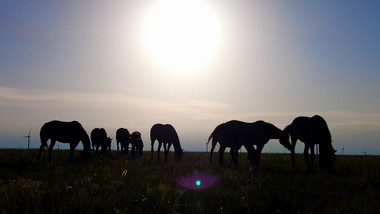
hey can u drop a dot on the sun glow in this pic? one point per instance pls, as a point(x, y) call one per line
point(181, 35)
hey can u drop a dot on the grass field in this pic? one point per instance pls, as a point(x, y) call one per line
point(112, 184)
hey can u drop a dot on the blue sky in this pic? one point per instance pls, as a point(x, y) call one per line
point(272, 61)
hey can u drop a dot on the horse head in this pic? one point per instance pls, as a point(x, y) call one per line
point(178, 155)
point(86, 153)
point(327, 159)
point(109, 140)
point(284, 140)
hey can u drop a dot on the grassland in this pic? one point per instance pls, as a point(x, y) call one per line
point(112, 184)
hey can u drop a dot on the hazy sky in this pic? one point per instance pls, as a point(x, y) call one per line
point(193, 64)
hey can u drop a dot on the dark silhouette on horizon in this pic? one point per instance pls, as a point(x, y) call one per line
point(235, 134)
point(122, 138)
point(312, 131)
point(99, 139)
point(137, 143)
point(165, 134)
point(64, 132)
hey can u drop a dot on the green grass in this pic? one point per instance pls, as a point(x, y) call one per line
point(99, 185)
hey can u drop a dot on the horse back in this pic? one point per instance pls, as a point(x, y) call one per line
point(309, 129)
point(99, 135)
point(136, 139)
point(164, 133)
point(64, 132)
point(122, 135)
point(238, 131)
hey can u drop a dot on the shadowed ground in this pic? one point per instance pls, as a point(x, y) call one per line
point(115, 184)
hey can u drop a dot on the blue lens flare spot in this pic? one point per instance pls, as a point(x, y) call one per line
point(198, 181)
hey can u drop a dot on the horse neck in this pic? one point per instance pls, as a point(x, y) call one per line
point(325, 146)
point(287, 129)
point(177, 146)
point(86, 141)
point(275, 133)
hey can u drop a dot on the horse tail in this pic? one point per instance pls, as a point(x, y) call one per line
point(44, 135)
point(215, 136)
point(211, 136)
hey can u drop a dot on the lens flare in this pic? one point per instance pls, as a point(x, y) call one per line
point(198, 181)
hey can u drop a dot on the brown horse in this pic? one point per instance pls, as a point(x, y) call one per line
point(165, 134)
point(312, 131)
point(235, 134)
point(64, 132)
point(122, 138)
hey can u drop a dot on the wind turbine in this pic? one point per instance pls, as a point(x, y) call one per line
point(28, 136)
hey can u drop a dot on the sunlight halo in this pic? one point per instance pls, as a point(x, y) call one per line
point(181, 35)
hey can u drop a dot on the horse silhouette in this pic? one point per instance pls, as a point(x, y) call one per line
point(108, 144)
point(122, 138)
point(64, 132)
point(137, 143)
point(165, 134)
point(235, 134)
point(312, 131)
point(99, 139)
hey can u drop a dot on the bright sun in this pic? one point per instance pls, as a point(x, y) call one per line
point(181, 35)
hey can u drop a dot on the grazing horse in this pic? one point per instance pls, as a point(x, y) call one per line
point(235, 134)
point(122, 138)
point(137, 143)
point(312, 131)
point(108, 144)
point(166, 134)
point(99, 139)
point(64, 132)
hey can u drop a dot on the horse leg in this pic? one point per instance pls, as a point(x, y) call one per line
point(221, 153)
point(51, 148)
point(97, 148)
point(151, 150)
point(43, 145)
point(292, 151)
point(117, 146)
point(212, 149)
point(73, 145)
point(251, 153)
point(232, 153)
point(235, 154)
point(166, 151)
point(259, 149)
point(158, 150)
point(306, 155)
point(312, 157)
point(133, 149)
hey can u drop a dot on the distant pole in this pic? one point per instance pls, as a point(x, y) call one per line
point(28, 137)
point(342, 150)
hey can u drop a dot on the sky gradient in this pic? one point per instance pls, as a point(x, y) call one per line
point(273, 61)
